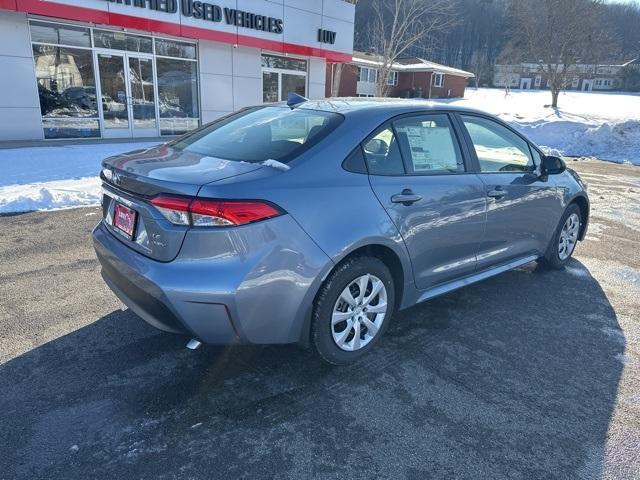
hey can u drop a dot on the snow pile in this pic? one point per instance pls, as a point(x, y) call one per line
point(601, 125)
point(275, 164)
point(55, 176)
point(50, 195)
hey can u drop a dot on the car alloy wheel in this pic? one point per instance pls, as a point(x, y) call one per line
point(568, 236)
point(359, 312)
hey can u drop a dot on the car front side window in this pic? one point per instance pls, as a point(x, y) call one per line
point(498, 149)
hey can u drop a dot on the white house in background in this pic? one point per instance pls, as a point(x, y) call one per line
point(585, 77)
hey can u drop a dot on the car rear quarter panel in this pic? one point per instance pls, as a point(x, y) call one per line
point(336, 208)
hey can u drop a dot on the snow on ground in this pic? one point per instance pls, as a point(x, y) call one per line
point(58, 162)
point(55, 176)
point(585, 124)
point(601, 125)
point(50, 195)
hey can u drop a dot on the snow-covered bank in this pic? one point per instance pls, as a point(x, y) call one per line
point(600, 125)
point(58, 162)
point(55, 176)
point(50, 195)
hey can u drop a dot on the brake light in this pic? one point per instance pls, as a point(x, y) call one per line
point(203, 212)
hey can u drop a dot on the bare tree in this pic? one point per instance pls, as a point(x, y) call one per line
point(397, 25)
point(557, 35)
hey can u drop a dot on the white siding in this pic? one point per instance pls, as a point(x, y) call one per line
point(317, 78)
point(247, 62)
point(230, 78)
point(20, 117)
point(247, 77)
point(247, 91)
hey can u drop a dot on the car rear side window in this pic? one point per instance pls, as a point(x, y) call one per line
point(263, 133)
point(498, 149)
point(429, 144)
point(382, 153)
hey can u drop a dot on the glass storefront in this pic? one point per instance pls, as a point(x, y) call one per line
point(281, 76)
point(178, 95)
point(66, 81)
point(95, 82)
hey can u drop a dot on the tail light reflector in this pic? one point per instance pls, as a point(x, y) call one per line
point(203, 212)
point(174, 209)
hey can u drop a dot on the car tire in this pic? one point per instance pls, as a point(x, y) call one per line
point(556, 258)
point(330, 303)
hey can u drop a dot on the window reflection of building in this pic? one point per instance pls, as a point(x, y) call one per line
point(281, 76)
point(178, 95)
point(67, 91)
point(165, 82)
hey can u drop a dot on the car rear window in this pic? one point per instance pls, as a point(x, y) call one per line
point(259, 134)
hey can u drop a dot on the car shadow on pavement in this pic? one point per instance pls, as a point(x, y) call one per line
point(515, 377)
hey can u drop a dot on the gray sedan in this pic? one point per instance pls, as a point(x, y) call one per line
point(312, 222)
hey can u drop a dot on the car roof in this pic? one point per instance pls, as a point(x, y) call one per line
point(350, 105)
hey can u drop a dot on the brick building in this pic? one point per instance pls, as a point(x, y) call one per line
point(409, 78)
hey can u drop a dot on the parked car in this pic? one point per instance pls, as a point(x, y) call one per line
point(249, 231)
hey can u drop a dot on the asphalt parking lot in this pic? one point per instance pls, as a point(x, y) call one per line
point(531, 374)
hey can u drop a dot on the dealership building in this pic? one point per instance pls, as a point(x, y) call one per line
point(148, 68)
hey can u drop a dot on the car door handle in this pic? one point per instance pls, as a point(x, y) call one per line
point(407, 197)
point(496, 193)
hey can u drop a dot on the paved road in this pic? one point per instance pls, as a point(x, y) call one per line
point(528, 375)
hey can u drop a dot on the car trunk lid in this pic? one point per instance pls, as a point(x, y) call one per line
point(163, 169)
point(133, 179)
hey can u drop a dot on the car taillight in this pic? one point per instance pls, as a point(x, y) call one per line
point(174, 209)
point(203, 212)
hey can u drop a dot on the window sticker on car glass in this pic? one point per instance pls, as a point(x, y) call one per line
point(432, 148)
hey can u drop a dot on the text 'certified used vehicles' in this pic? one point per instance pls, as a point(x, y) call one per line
point(314, 222)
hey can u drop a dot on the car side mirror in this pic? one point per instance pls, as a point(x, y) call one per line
point(552, 165)
point(376, 146)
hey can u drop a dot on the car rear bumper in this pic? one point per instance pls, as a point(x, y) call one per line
point(259, 290)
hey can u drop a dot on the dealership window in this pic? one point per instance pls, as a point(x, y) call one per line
point(66, 82)
point(392, 78)
point(147, 86)
point(173, 48)
point(281, 76)
point(368, 74)
point(437, 80)
point(177, 86)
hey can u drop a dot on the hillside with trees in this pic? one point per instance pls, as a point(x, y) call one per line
point(476, 34)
